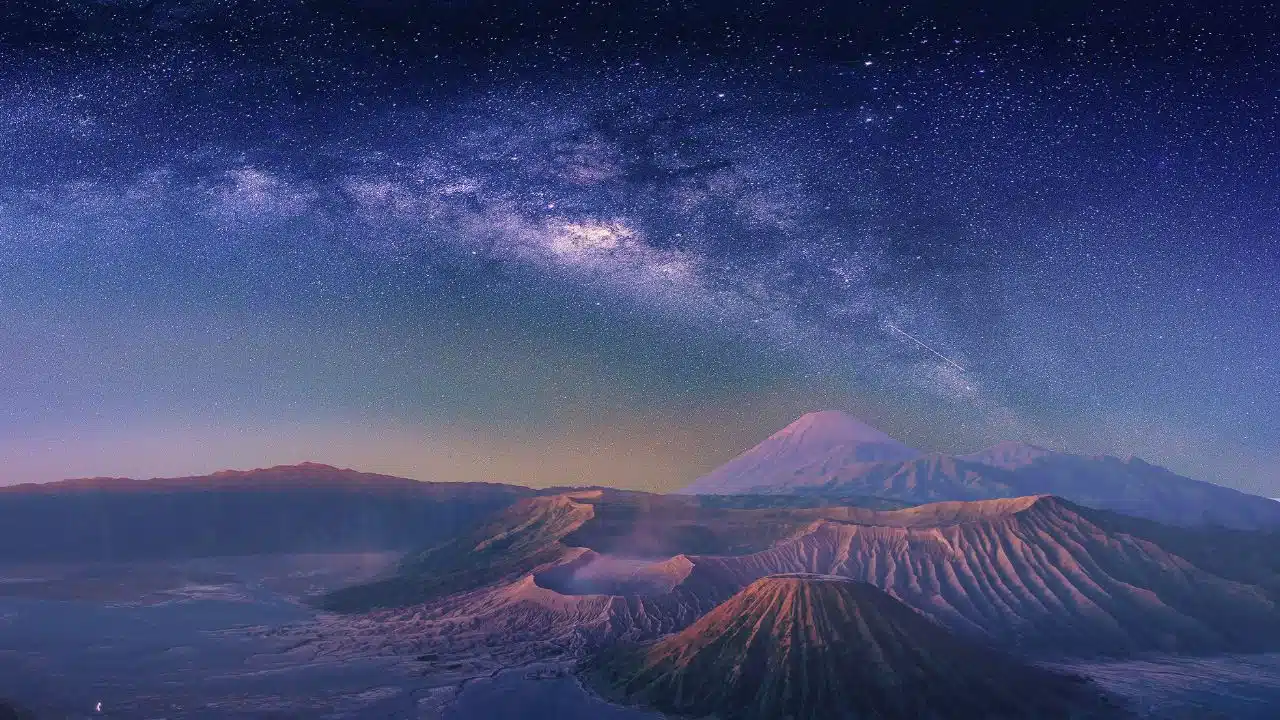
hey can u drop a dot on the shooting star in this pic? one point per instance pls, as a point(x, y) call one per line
point(913, 338)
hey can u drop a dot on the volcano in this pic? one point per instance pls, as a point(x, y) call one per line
point(1035, 575)
point(812, 451)
point(831, 454)
point(819, 646)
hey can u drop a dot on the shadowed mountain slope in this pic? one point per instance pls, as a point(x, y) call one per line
point(524, 537)
point(812, 646)
point(1135, 487)
point(1244, 556)
point(830, 453)
point(1009, 455)
point(292, 508)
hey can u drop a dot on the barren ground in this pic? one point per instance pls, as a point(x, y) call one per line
point(227, 637)
point(234, 637)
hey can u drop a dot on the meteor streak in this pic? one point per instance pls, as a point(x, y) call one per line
point(926, 347)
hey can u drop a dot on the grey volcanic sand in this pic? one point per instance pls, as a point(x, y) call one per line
point(187, 640)
point(513, 694)
point(155, 644)
point(1233, 687)
point(147, 648)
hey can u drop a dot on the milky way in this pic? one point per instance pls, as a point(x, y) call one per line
point(573, 246)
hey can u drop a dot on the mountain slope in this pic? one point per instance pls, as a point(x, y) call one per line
point(812, 646)
point(540, 532)
point(1243, 556)
point(1008, 455)
point(519, 540)
point(1130, 486)
point(1036, 574)
point(1135, 487)
point(292, 508)
point(1032, 573)
point(832, 454)
point(805, 453)
point(928, 478)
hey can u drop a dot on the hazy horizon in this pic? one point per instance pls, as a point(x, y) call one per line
point(468, 462)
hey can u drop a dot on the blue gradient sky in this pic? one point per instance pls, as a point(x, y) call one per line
point(529, 257)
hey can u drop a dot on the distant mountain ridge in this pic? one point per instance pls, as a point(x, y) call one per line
point(1008, 454)
point(301, 475)
point(286, 508)
point(853, 458)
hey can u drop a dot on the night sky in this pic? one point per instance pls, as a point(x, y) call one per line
point(571, 243)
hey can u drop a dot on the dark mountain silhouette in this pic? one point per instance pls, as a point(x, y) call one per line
point(817, 646)
point(292, 508)
point(829, 453)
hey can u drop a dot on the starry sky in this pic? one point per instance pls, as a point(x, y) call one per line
point(563, 242)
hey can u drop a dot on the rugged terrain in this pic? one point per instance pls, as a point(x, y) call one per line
point(538, 533)
point(818, 646)
point(1037, 575)
point(525, 584)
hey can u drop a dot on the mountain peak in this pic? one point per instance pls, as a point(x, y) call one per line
point(307, 466)
point(805, 645)
point(802, 454)
point(833, 427)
